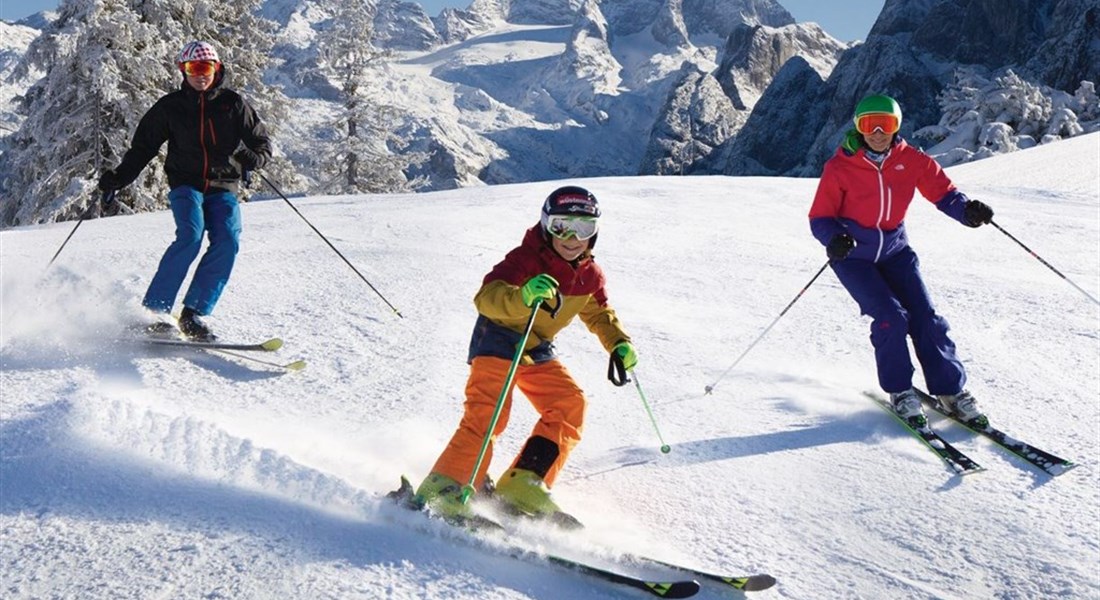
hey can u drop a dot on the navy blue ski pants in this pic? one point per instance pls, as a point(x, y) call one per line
point(892, 293)
point(217, 213)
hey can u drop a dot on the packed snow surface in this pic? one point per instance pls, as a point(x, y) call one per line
point(133, 472)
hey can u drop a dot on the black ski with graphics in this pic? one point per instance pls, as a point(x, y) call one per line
point(660, 588)
point(1049, 463)
point(745, 583)
point(954, 458)
point(568, 522)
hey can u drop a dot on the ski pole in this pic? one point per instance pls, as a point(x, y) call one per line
point(665, 448)
point(1040, 259)
point(468, 489)
point(315, 230)
point(710, 388)
point(618, 376)
point(104, 200)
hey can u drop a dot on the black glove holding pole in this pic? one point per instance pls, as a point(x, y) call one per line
point(110, 181)
point(977, 213)
point(840, 246)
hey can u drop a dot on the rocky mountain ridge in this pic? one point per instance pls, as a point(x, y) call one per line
point(522, 90)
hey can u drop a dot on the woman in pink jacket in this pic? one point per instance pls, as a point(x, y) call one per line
point(858, 215)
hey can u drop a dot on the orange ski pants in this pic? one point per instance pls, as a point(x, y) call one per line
point(550, 389)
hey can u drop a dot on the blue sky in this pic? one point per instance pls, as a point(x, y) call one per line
point(843, 19)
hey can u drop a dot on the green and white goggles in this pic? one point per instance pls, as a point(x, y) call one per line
point(564, 227)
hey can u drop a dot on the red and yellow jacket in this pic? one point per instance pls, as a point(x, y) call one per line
point(869, 201)
point(503, 316)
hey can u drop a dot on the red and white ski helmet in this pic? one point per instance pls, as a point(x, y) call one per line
point(197, 51)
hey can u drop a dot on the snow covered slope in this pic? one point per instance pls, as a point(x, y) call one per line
point(132, 473)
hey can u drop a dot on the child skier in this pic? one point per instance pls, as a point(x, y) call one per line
point(555, 255)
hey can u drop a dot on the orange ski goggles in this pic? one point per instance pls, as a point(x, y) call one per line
point(886, 122)
point(199, 68)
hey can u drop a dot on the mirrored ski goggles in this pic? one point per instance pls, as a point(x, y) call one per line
point(199, 68)
point(567, 226)
point(887, 123)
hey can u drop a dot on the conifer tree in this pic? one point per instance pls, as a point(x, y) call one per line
point(107, 63)
point(365, 152)
point(105, 66)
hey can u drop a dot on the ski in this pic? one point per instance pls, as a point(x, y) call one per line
point(270, 345)
point(1051, 464)
point(958, 462)
point(230, 349)
point(567, 523)
point(661, 589)
point(402, 497)
point(745, 583)
point(296, 365)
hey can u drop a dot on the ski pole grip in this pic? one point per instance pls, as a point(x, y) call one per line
point(616, 370)
point(553, 310)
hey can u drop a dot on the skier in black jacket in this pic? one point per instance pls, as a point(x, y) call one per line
point(213, 136)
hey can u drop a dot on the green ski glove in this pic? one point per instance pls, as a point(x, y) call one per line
point(625, 350)
point(540, 286)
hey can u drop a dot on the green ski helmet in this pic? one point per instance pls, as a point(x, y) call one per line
point(877, 104)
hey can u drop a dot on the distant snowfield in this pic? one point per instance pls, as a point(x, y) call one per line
point(127, 472)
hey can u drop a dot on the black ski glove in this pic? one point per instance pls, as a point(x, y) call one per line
point(977, 213)
point(109, 181)
point(840, 246)
point(247, 159)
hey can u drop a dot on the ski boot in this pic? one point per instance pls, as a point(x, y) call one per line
point(907, 405)
point(193, 327)
point(159, 325)
point(441, 495)
point(965, 408)
point(523, 492)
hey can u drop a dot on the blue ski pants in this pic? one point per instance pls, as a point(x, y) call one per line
point(892, 293)
point(215, 212)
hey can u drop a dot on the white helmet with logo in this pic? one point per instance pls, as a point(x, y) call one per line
point(198, 51)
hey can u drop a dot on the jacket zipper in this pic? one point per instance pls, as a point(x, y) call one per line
point(885, 204)
point(202, 142)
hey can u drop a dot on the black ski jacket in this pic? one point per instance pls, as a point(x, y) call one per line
point(203, 131)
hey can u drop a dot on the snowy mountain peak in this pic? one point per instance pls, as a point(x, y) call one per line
point(753, 54)
point(930, 54)
point(587, 70)
point(527, 12)
point(669, 28)
point(403, 26)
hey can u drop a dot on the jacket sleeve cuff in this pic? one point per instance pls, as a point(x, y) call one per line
point(953, 204)
point(825, 228)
